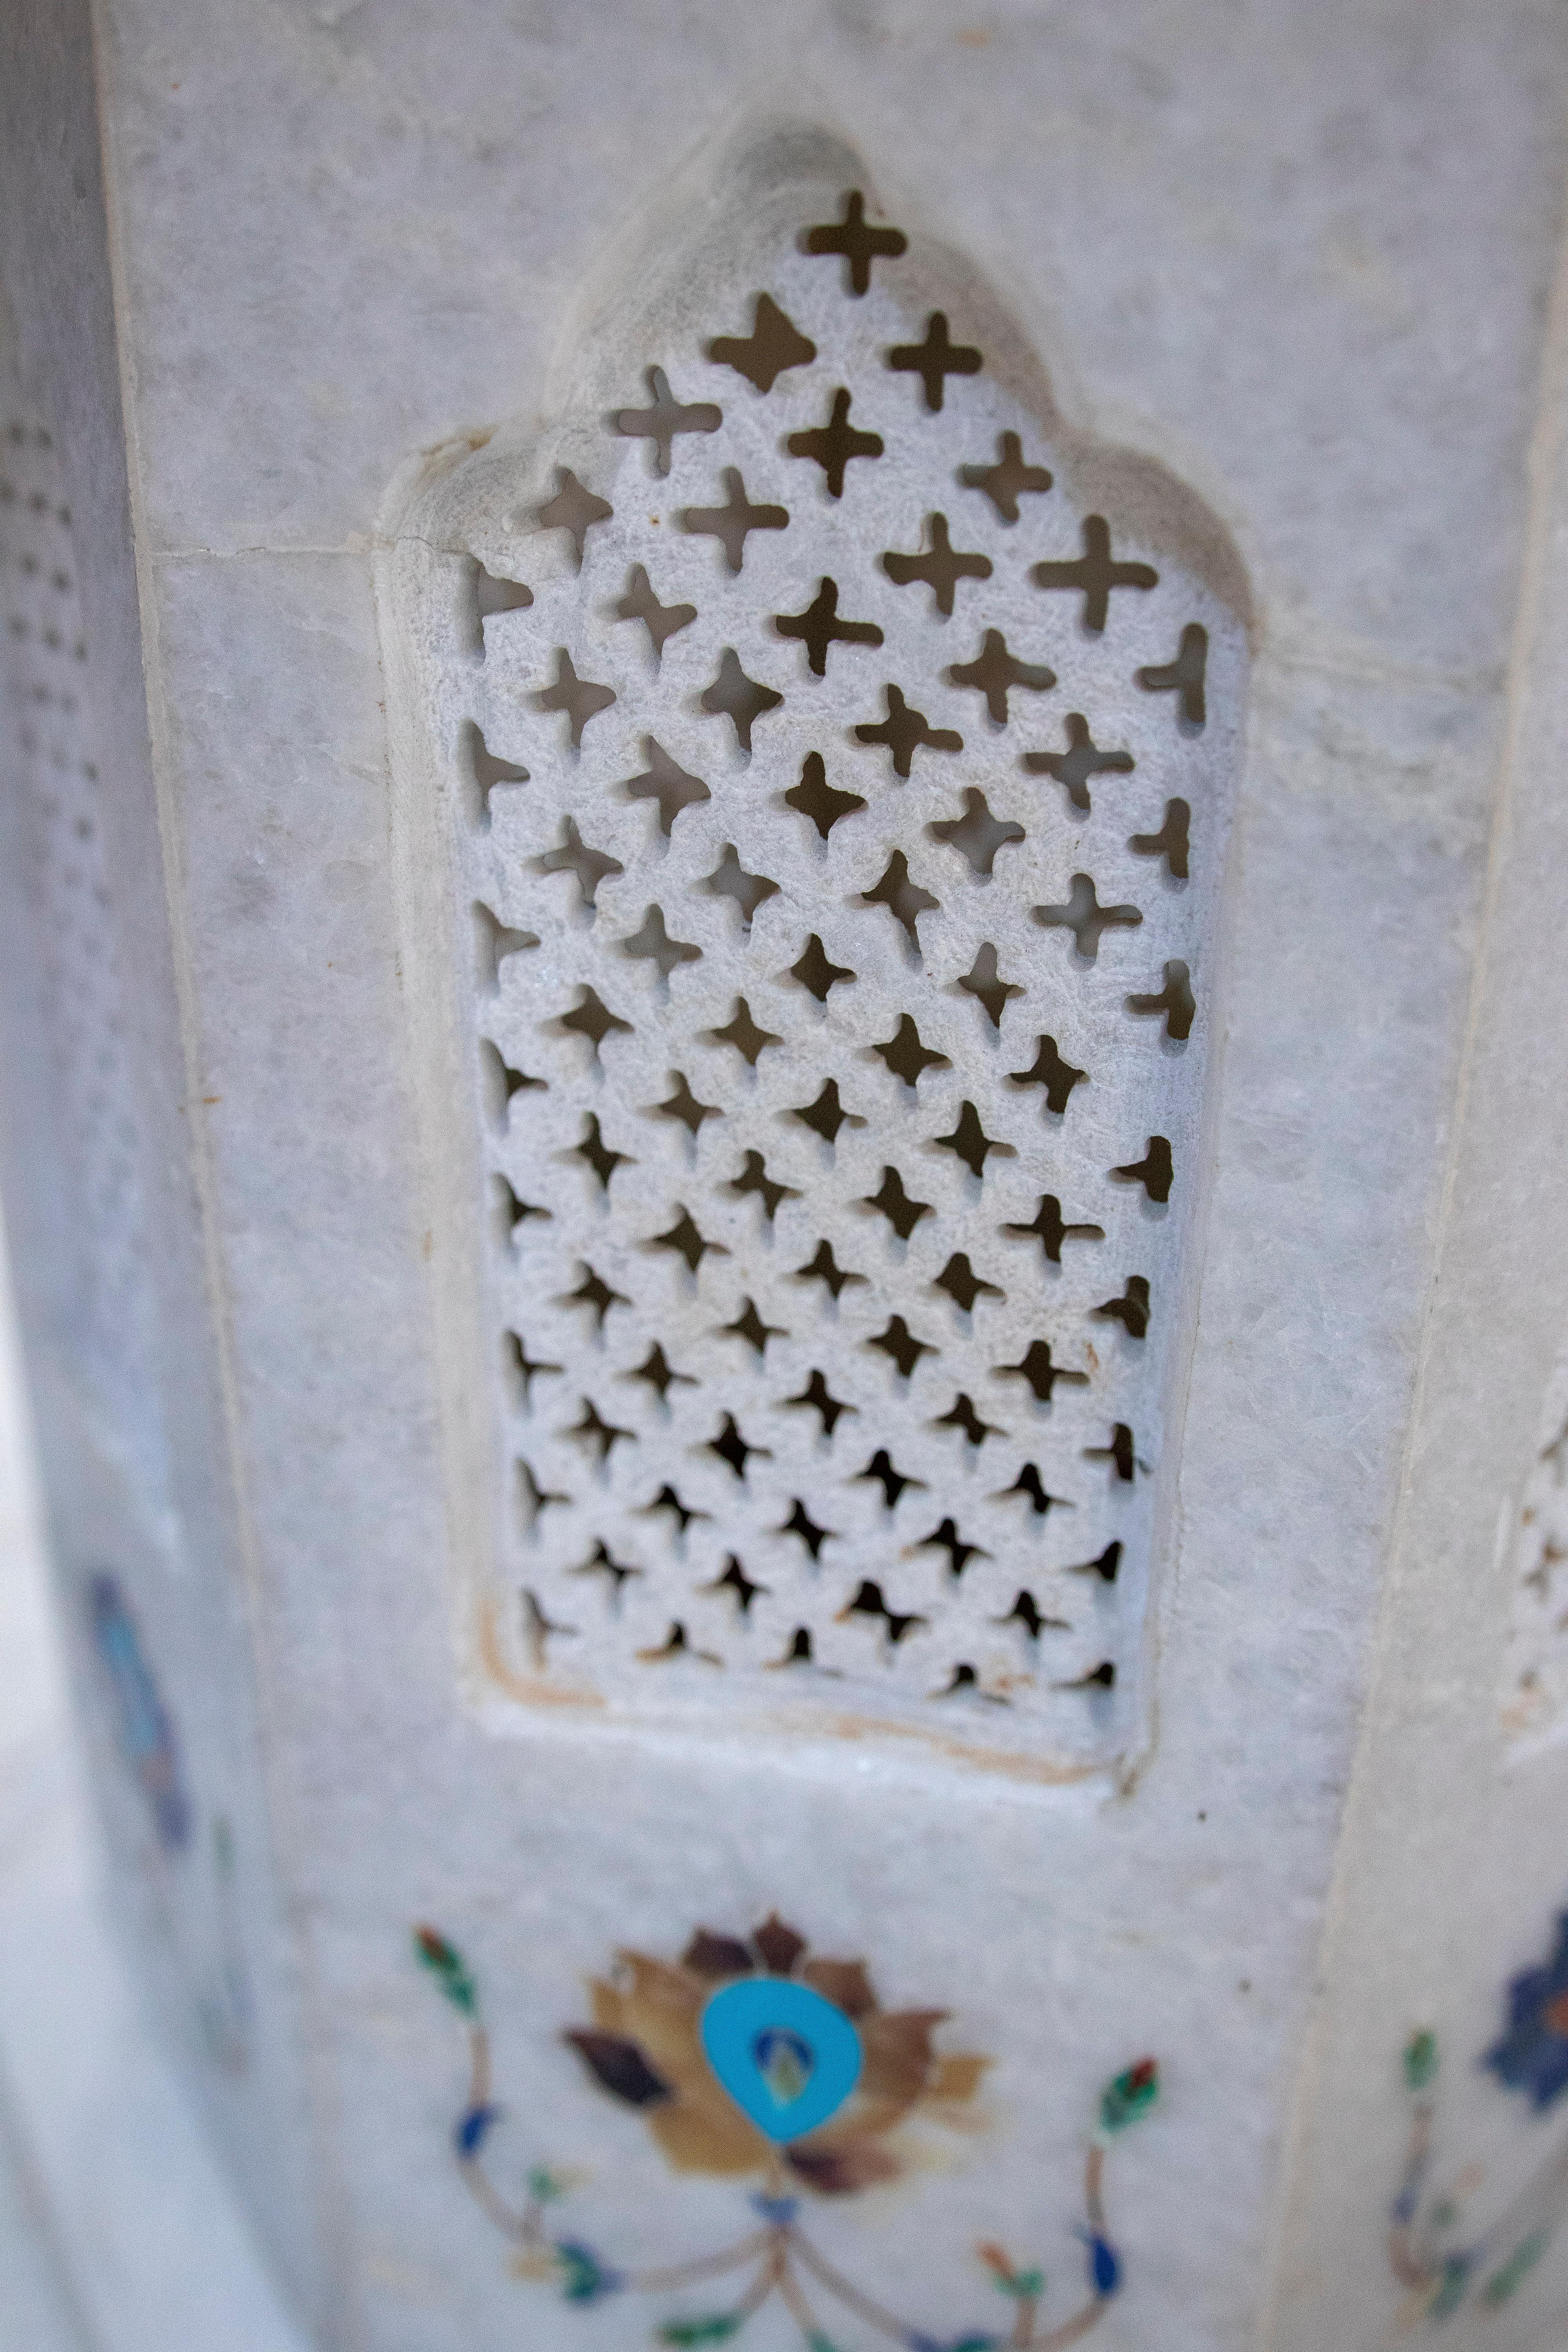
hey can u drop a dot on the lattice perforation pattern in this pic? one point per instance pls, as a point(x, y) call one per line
point(839, 864)
point(53, 765)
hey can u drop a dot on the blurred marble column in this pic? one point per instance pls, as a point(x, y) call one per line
point(585, 1899)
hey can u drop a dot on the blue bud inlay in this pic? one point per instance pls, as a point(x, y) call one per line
point(788, 2058)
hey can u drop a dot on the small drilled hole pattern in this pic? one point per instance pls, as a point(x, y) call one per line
point(53, 772)
point(837, 812)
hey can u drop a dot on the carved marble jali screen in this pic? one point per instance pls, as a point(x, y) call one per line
point(813, 769)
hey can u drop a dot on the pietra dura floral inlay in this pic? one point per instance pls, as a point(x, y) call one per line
point(146, 1732)
point(754, 2058)
point(814, 768)
point(191, 1862)
point(1473, 2238)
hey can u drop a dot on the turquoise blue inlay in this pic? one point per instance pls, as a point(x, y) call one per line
point(787, 2058)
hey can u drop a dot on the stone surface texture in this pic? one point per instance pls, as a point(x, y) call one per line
point(874, 1438)
point(1302, 259)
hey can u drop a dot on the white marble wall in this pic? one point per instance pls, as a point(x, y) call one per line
point(1305, 259)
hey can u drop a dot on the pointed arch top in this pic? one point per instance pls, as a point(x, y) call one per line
point(813, 767)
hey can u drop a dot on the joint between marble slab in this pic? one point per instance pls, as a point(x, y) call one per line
point(357, 547)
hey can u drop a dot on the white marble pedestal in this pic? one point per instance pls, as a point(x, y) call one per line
point(444, 1812)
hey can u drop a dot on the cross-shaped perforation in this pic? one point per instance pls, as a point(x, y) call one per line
point(837, 1015)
